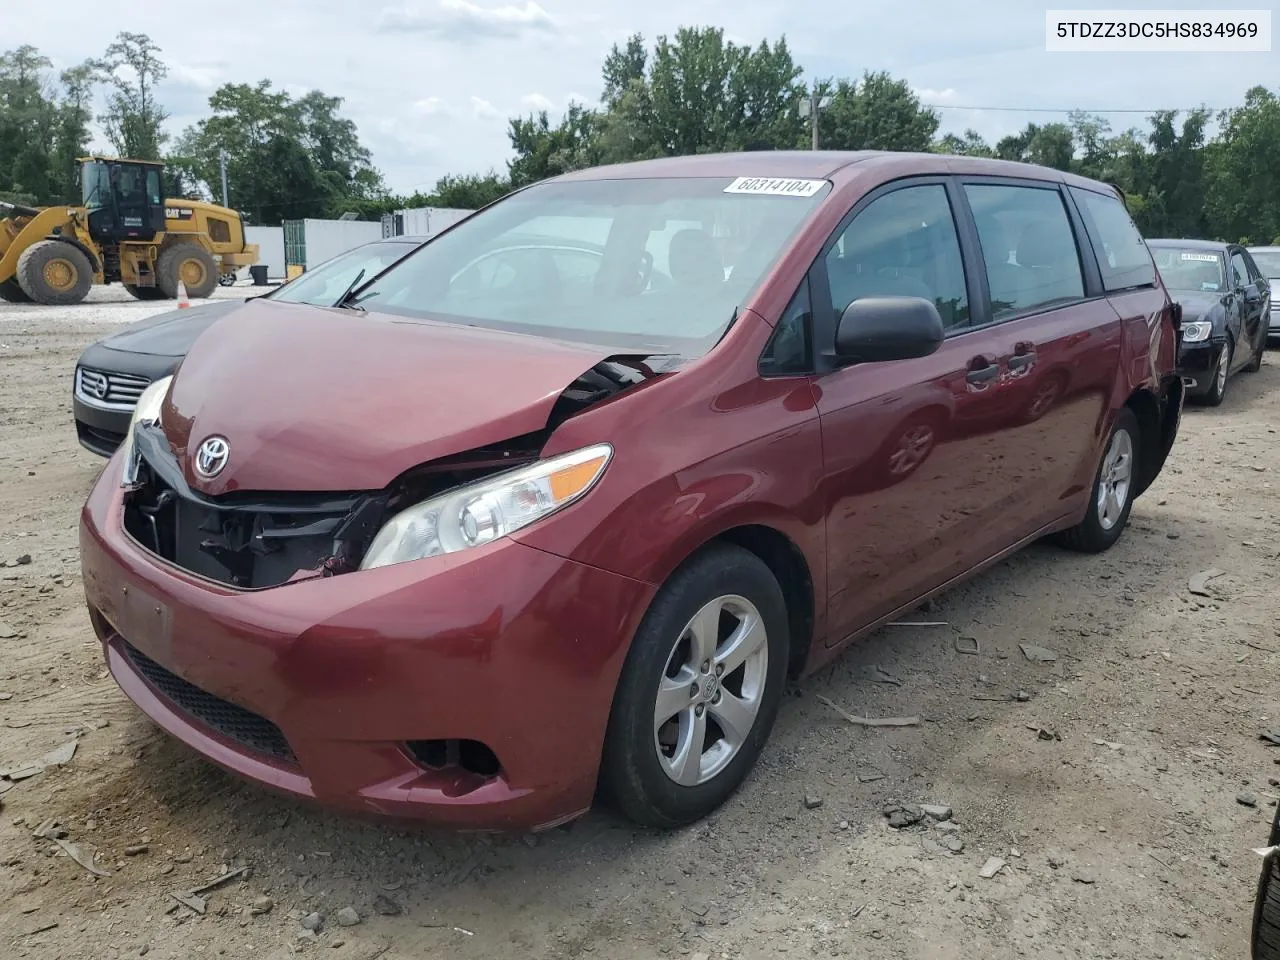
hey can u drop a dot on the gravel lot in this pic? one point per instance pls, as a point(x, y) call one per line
point(1122, 834)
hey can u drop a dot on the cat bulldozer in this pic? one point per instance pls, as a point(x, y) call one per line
point(124, 231)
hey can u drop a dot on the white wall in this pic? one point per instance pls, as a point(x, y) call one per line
point(427, 221)
point(270, 241)
point(328, 238)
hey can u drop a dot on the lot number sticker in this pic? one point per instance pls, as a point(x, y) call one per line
point(775, 186)
point(1202, 257)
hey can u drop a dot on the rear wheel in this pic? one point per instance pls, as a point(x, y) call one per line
point(12, 291)
point(55, 273)
point(1113, 490)
point(192, 265)
point(699, 691)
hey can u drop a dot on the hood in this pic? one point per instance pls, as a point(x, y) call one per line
point(322, 399)
point(170, 334)
point(1196, 305)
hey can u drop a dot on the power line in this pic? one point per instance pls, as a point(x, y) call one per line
point(953, 106)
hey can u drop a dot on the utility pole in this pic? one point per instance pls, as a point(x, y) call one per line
point(222, 162)
point(811, 107)
point(813, 115)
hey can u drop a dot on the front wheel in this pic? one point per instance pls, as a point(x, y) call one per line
point(1221, 374)
point(1113, 490)
point(699, 691)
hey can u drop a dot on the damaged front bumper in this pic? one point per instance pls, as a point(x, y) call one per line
point(471, 689)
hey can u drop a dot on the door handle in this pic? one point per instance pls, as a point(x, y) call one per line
point(1020, 361)
point(983, 374)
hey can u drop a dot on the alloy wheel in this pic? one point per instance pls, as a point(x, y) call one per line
point(1115, 480)
point(711, 690)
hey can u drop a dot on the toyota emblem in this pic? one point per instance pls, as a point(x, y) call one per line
point(100, 388)
point(212, 456)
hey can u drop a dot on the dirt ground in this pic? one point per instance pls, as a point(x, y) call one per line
point(1123, 833)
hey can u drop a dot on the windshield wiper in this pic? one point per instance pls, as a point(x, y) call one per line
point(342, 300)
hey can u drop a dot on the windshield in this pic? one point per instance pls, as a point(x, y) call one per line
point(322, 285)
point(95, 185)
point(655, 264)
point(1268, 262)
point(1201, 271)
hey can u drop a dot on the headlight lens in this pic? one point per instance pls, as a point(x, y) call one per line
point(147, 410)
point(480, 513)
point(1197, 331)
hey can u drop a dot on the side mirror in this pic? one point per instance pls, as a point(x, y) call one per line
point(877, 329)
point(1252, 294)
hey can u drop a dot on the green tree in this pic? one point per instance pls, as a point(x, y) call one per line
point(134, 120)
point(1243, 169)
point(970, 144)
point(469, 192)
point(1050, 145)
point(71, 141)
point(876, 113)
point(622, 68)
point(28, 126)
point(544, 151)
point(286, 158)
point(1177, 172)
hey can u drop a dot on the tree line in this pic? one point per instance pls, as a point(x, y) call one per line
point(286, 157)
point(1184, 173)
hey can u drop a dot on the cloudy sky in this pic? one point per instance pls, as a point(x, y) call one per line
point(430, 83)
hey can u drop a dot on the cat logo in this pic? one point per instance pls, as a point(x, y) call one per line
point(178, 213)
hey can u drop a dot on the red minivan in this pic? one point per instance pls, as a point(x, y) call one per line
point(560, 500)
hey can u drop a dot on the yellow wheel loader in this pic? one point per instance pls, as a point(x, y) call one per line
point(123, 231)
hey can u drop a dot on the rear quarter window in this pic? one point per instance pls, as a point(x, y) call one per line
point(1123, 258)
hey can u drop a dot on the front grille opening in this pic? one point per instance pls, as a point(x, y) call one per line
point(250, 542)
point(470, 756)
point(234, 722)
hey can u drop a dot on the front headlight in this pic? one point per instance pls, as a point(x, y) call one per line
point(146, 410)
point(482, 512)
point(1197, 331)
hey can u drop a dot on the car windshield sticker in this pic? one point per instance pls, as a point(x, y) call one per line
point(775, 186)
point(1209, 287)
point(1202, 257)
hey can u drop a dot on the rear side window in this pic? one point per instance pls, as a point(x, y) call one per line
point(904, 244)
point(1123, 257)
point(1029, 248)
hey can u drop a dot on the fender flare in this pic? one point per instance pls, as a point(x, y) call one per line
point(94, 262)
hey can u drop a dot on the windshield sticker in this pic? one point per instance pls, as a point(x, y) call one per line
point(1201, 257)
point(1209, 287)
point(775, 186)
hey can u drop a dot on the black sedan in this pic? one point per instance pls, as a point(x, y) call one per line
point(112, 373)
point(1226, 302)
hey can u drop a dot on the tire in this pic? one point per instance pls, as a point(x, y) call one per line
point(193, 265)
point(1104, 522)
point(12, 291)
point(1266, 912)
point(1221, 376)
point(640, 762)
point(145, 293)
point(54, 273)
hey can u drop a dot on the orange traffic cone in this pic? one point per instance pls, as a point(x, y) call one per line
point(183, 301)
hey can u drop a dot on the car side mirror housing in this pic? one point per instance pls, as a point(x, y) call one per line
point(1251, 293)
point(879, 329)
